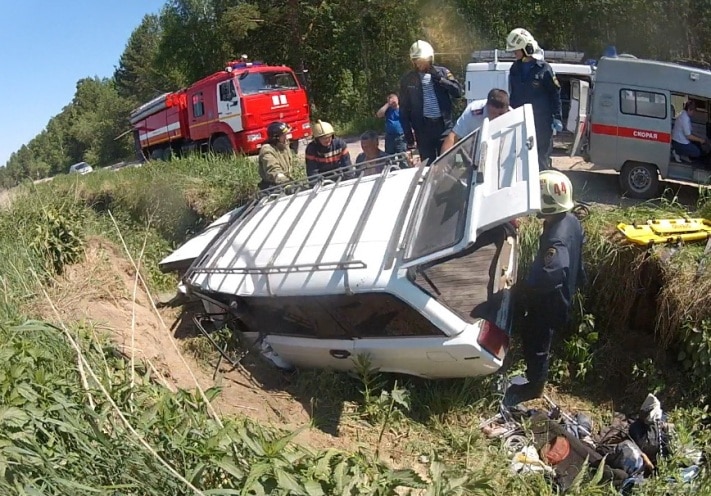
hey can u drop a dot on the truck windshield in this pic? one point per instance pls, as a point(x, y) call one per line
point(259, 82)
point(440, 220)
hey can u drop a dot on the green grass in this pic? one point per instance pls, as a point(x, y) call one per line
point(62, 427)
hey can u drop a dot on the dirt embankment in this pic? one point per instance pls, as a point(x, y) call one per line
point(102, 292)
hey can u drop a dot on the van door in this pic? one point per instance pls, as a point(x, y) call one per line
point(486, 179)
point(577, 118)
point(508, 185)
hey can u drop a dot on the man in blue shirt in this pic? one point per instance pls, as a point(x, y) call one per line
point(394, 136)
point(548, 291)
point(426, 94)
point(532, 80)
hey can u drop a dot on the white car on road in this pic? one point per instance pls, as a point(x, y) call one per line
point(412, 267)
point(80, 168)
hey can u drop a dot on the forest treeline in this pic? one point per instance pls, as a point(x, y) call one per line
point(351, 52)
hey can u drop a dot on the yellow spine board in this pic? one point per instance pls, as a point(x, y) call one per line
point(658, 231)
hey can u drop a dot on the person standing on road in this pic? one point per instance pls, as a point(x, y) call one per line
point(426, 94)
point(276, 162)
point(326, 152)
point(532, 80)
point(547, 293)
point(495, 104)
point(394, 136)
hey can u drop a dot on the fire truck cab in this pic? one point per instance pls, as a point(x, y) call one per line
point(632, 111)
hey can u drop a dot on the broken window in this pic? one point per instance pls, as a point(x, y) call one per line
point(338, 316)
point(441, 215)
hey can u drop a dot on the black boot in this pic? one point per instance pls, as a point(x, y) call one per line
point(519, 393)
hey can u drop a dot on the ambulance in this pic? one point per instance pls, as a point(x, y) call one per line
point(625, 123)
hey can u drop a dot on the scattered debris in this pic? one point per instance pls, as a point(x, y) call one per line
point(563, 445)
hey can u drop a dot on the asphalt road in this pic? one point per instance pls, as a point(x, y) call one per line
point(590, 184)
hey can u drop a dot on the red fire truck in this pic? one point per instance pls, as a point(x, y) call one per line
point(224, 112)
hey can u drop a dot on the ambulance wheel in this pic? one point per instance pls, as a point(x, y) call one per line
point(222, 145)
point(639, 180)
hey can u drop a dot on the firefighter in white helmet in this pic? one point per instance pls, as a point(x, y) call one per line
point(532, 80)
point(326, 152)
point(547, 293)
point(426, 94)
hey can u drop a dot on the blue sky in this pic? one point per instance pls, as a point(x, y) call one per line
point(46, 46)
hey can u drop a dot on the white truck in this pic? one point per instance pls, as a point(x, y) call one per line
point(625, 123)
point(490, 69)
point(412, 267)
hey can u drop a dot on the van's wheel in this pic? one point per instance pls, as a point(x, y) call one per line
point(639, 180)
point(222, 145)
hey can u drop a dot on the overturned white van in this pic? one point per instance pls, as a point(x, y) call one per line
point(411, 266)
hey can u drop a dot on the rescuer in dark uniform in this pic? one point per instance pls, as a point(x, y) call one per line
point(532, 80)
point(426, 94)
point(548, 291)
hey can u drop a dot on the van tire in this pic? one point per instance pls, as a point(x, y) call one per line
point(639, 180)
point(221, 145)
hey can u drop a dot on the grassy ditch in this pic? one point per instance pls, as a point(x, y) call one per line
point(642, 323)
point(69, 396)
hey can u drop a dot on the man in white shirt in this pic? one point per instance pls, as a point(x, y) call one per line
point(682, 136)
point(496, 104)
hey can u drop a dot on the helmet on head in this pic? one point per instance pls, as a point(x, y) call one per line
point(322, 129)
point(521, 39)
point(421, 50)
point(277, 130)
point(556, 192)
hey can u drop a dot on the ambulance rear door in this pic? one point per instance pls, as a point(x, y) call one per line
point(577, 117)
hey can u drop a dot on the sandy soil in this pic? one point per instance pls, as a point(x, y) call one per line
point(100, 292)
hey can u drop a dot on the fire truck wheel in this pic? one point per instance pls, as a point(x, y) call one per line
point(167, 153)
point(639, 180)
point(294, 145)
point(222, 145)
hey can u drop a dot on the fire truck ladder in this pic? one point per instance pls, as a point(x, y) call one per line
point(268, 198)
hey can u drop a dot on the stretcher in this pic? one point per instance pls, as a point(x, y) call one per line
point(658, 231)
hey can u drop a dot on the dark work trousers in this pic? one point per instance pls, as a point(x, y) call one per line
point(544, 136)
point(537, 337)
point(429, 139)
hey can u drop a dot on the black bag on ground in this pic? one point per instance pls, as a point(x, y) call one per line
point(651, 438)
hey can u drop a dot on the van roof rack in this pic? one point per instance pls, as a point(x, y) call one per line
point(264, 198)
point(496, 55)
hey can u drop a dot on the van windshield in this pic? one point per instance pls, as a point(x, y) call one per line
point(440, 219)
point(259, 82)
